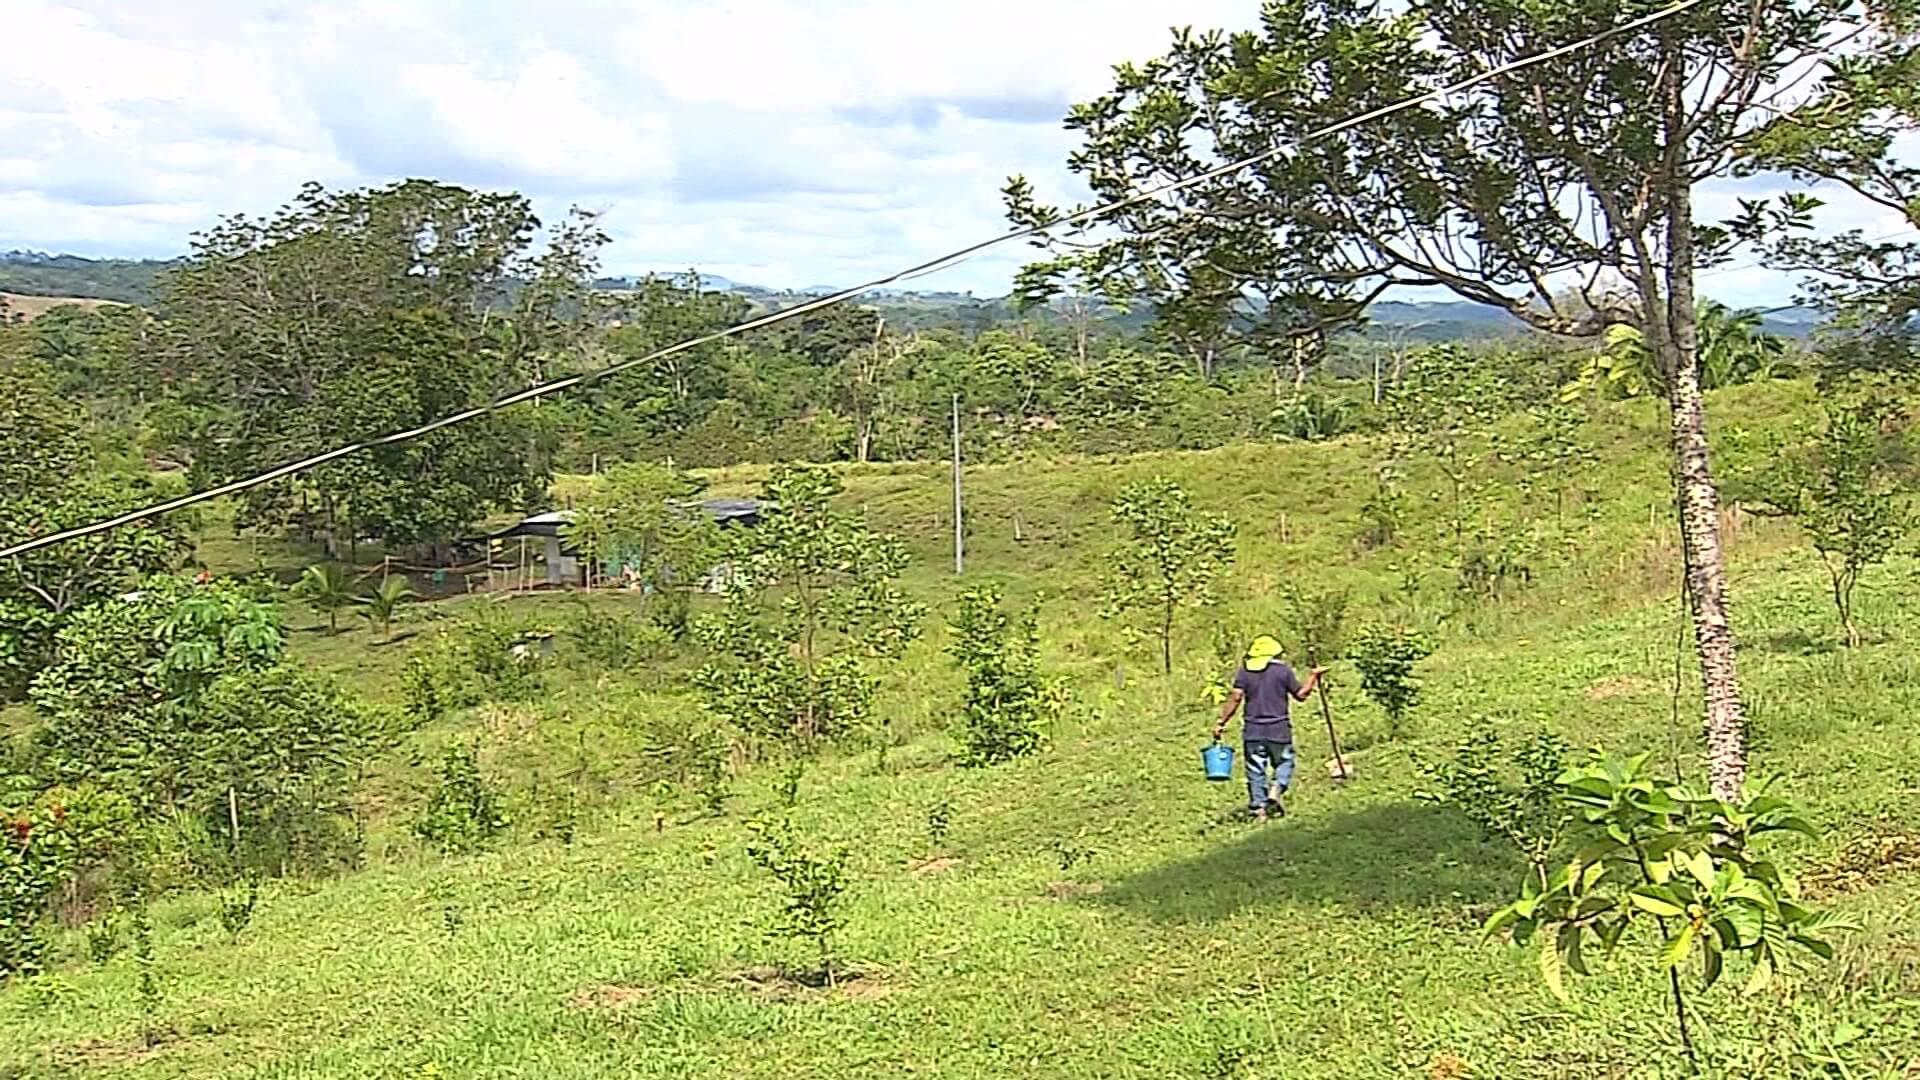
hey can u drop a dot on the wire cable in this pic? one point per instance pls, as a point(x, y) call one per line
point(932, 265)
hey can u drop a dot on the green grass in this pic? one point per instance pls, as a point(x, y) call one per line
point(1340, 942)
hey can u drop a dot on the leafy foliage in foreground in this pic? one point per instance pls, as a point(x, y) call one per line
point(1678, 858)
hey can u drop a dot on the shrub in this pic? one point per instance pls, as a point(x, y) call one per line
point(799, 669)
point(491, 655)
point(813, 879)
point(1008, 703)
point(939, 823)
point(464, 811)
point(1311, 416)
point(36, 859)
point(672, 611)
point(276, 767)
point(1511, 793)
point(612, 639)
point(1383, 515)
point(787, 788)
point(556, 813)
point(1386, 658)
point(236, 907)
point(103, 937)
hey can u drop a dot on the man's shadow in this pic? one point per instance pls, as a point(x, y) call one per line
point(1397, 856)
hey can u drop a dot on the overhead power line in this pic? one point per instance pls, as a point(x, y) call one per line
point(942, 262)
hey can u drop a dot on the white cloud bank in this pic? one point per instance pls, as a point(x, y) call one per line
point(787, 142)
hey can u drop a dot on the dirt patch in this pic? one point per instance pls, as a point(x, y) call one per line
point(609, 996)
point(933, 866)
point(1863, 861)
point(1074, 890)
point(97, 1053)
point(779, 984)
point(1621, 686)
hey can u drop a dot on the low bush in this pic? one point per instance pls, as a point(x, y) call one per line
point(464, 811)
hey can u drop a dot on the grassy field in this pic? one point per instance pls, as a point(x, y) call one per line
point(32, 307)
point(1098, 910)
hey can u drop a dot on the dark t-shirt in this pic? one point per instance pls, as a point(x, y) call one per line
point(1269, 694)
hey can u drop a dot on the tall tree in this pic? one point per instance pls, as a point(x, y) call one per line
point(49, 483)
point(1847, 134)
point(353, 314)
point(1566, 180)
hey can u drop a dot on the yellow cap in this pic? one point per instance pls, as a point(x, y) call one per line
point(1262, 652)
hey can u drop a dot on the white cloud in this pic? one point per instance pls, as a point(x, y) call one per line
point(782, 141)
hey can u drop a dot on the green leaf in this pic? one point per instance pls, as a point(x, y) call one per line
point(1677, 946)
point(1591, 876)
point(1499, 921)
point(1711, 965)
point(1654, 902)
point(1550, 967)
point(1571, 937)
point(1762, 975)
point(1700, 865)
point(1745, 921)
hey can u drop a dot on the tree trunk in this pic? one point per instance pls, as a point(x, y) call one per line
point(1699, 502)
point(1699, 509)
point(1676, 332)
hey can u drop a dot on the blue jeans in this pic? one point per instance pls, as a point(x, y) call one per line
point(1268, 762)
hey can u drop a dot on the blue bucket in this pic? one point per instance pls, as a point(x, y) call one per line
point(1219, 761)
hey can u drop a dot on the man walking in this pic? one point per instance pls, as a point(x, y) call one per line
point(1267, 686)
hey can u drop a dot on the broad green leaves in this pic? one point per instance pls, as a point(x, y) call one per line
point(1681, 859)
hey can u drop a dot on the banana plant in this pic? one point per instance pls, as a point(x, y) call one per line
point(1733, 349)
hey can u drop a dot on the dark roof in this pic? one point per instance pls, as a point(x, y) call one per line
point(723, 511)
point(744, 511)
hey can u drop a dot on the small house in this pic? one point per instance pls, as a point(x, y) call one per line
point(563, 559)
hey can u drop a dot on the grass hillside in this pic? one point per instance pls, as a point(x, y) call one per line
point(30, 308)
point(1098, 910)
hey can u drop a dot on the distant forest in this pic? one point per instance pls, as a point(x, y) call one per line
point(132, 281)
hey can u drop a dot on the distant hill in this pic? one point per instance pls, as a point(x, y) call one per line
point(34, 273)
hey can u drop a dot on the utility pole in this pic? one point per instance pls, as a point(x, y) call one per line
point(959, 532)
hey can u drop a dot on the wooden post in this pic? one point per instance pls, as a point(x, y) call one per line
point(1326, 713)
point(959, 530)
point(233, 817)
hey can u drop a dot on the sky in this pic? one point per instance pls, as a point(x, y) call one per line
point(778, 142)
